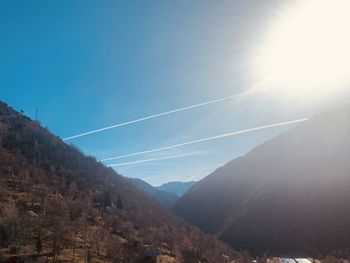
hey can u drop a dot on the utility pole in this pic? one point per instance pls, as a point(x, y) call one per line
point(36, 114)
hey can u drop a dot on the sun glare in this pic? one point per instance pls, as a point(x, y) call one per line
point(306, 49)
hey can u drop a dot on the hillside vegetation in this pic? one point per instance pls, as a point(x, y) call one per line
point(58, 205)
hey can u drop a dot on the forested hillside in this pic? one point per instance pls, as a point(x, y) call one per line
point(57, 204)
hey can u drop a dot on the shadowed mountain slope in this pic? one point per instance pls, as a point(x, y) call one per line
point(288, 195)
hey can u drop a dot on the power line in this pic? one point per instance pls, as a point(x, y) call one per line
point(155, 159)
point(207, 139)
point(164, 113)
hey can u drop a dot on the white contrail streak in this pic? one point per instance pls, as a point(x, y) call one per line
point(155, 159)
point(164, 113)
point(208, 139)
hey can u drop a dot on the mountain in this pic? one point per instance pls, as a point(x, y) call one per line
point(58, 205)
point(289, 195)
point(176, 188)
point(167, 199)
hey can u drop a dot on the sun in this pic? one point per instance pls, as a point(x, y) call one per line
point(306, 49)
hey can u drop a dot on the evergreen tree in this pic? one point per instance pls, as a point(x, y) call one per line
point(119, 203)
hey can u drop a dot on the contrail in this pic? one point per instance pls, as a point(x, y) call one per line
point(155, 159)
point(208, 139)
point(164, 113)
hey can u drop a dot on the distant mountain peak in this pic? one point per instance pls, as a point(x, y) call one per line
point(177, 188)
point(166, 198)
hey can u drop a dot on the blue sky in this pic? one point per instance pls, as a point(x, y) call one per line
point(90, 64)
